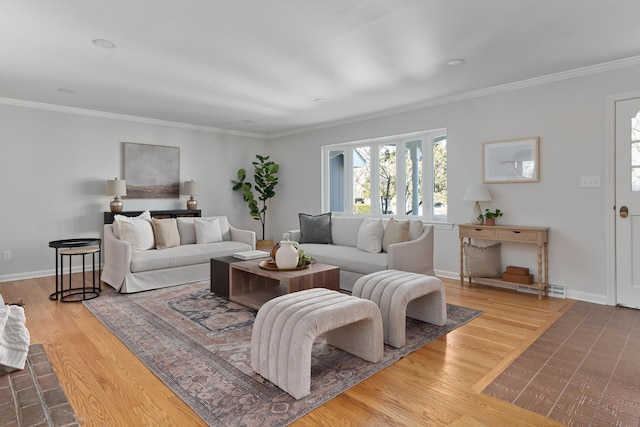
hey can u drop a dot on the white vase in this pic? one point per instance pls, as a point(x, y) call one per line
point(287, 255)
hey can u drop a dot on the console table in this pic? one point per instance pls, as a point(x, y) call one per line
point(538, 236)
point(175, 213)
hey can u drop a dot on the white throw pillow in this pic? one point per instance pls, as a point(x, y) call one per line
point(188, 232)
point(116, 221)
point(370, 235)
point(207, 231)
point(138, 232)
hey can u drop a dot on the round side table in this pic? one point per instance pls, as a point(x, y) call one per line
point(70, 248)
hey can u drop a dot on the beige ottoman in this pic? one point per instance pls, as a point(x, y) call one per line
point(286, 326)
point(401, 294)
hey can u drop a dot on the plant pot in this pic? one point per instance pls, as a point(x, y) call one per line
point(490, 221)
point(264, 245)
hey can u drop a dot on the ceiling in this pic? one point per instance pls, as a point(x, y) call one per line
point(264, 67)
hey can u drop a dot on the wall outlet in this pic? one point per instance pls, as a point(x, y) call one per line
point(6, 255)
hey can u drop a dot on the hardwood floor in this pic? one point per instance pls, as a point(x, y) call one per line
point(436, 385)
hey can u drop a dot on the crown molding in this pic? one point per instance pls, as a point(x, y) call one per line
point(536, 81)
point(124, 117)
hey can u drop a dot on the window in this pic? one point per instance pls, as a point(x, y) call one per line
point(635, 153)
point(403, 176)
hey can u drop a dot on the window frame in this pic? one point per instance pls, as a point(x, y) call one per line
point(426, 137)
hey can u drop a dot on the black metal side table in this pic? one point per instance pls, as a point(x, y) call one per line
point(69, 248)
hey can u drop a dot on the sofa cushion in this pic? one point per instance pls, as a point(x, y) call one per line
point(315, 228)
point(165, 232)
point(188, 231)
point(347, 258)
point(396, 232)
point(344, 230)
point(416, 227)
point(370, 235)
point(137, 232)
point(207, 231)
point(117, 218)
point(183, 255)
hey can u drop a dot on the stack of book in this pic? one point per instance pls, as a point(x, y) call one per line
point(247, 255)
point(518, 275)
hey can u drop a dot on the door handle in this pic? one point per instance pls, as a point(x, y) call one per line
point(624, 212)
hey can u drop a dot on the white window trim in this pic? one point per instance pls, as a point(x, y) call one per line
point(427, 173)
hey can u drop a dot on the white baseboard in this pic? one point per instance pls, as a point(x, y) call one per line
point(587, 297)
point(43, 273)
point(556, 291)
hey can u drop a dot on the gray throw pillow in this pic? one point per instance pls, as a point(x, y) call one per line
point(315, 228)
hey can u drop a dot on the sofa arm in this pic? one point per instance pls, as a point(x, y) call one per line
point(293, 235)
point(244, 236)
point(117, 259)
point(415, 256)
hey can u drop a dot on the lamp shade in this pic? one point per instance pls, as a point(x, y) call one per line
point(116, 187)
point(477, 193)
point(192, 188)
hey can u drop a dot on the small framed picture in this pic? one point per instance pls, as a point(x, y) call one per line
point(511, 160)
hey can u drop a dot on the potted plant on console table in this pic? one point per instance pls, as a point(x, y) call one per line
point(265, 180)
point(490, 216)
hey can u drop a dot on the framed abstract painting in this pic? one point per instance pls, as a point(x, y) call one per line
point(151, 171)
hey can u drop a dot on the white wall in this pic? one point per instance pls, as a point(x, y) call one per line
point(53, 168)
point(568, 116)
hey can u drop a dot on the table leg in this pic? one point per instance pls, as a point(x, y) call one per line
point(546, 268)
point(462, 262)
point(540, 282)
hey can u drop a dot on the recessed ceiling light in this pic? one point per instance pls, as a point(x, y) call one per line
point(247, 121)
point(66, 91)
point(455, 62)
point(321, 99)
point(107, 44)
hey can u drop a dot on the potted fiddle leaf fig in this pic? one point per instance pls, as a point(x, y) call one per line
point(490, 216)
point(265, 180)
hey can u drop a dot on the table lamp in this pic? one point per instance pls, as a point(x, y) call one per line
point(477, 193)
point(116, 187)
point(193, 189)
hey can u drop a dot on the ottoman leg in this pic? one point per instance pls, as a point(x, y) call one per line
point(363, 339)
point(432, 307)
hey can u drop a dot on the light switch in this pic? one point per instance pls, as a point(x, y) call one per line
point(590, 181)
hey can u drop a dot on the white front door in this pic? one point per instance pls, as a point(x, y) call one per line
point(628, 202)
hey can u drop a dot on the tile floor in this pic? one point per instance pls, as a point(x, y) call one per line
point(583, 371)
point(33, 397)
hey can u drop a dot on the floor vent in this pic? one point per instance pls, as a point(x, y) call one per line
point(556, 291)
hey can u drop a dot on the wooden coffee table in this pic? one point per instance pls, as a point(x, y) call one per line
point(252, 286)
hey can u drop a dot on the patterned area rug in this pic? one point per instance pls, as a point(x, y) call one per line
point(198, 344)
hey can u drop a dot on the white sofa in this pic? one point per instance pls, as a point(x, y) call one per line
point(129, 269)
point(414, 255)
